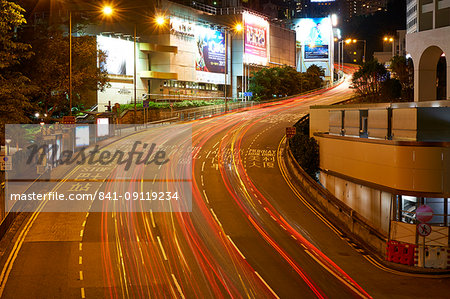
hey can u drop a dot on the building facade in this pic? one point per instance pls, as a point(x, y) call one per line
point(390, 161)
point(427, 42)
point(197, 54)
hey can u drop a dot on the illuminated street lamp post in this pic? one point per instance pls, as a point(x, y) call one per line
point(390, 39)
point(237, 28)
point(354, 41)
point(107, 11)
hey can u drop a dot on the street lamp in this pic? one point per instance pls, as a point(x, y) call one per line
point(107, 11)
point(236, 28)
point(390, 39)
point(354, 41)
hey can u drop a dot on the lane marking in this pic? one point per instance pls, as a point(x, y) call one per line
point(83, 295)
point(153, 219)
point(268, 287)
point(161, 247)
point(206, 197)
point(215, 216)
point(180, 291)
point(229, 238)
point(80, 260)
point(81, 275)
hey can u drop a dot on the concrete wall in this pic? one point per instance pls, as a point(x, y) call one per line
point(414, 168)
point(374, 205)
point(337, 212)
point(282, 45)
point(426, 48)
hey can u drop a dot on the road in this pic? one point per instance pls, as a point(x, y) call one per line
point(249, 234)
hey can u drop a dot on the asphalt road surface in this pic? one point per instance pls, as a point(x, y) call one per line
point(250, 233)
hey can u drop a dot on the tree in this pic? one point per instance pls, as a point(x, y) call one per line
point(14, 86)
point(284, 81)
point(52, 60)
point(305, 149)
point(367, 80)
point(403, 71)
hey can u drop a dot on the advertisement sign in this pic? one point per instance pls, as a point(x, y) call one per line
point(315, 36)
point(316, 52)
point(102, 127)
point(119, 53)
point(181, 27)
point(256, 39)
point(82, 136)
point(210, 54)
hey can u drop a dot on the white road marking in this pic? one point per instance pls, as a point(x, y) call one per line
point(206, 197)
point(236, 247)
point(265, 283)
point(215, 216)
point(162, 248)
point(178, 286)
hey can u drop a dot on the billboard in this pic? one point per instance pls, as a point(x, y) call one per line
point(210, 54)
point(316, 52)
point(102, 127)
point(315, 36)
point(119, 53)
point(256, 39)
point(81, 136)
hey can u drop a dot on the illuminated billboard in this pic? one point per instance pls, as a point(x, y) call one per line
point(119, 53)
point(315, 36)
point(82, 136)
point(102, 127)
point(256, 39)
point(210, 54)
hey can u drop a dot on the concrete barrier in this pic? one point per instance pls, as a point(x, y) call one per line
point(339, 214)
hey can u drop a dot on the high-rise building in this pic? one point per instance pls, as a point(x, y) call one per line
point(352, 8)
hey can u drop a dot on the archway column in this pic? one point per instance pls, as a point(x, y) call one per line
point(448, 77)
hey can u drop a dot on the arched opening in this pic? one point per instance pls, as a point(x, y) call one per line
point(441, 79)
point(427, 84)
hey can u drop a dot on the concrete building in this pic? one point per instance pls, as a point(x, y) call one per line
point(175, 63)
point(195, 53)
point(428, 44)
point(387, 161)
point(392, 46)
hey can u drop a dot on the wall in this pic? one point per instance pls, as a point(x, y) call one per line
point(337, 212)
point(282, 45)
point(414, 168)
point(374, 205)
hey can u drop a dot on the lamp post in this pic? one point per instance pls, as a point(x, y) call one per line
point(390, 39)
point(106, 11)
point(354, 41)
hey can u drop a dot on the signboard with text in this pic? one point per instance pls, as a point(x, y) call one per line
point(210, 54)
point(256, 39)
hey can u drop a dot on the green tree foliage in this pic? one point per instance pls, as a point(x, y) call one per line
point(14, 86)
point(305, 149)
point(52, 62)
point(368, 79)
point(402, 70)
point(284, 81)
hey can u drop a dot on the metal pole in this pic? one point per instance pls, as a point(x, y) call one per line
point(134, 77)
point(226, 69)
point(339, 59)
point(243, 65)
point(364, 58)
point(70, 62)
